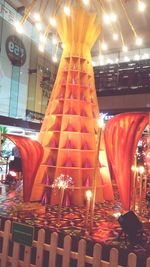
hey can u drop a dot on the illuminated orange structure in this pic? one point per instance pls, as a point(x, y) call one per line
point(69, 129)
point(122, 134)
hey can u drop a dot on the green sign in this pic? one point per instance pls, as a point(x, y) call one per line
point(22, 233)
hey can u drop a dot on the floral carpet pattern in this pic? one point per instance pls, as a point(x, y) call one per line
point(105, 230)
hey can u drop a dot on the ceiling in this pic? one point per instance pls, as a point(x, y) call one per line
point(140, 21)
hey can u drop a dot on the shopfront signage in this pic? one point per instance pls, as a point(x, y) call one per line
point(15, 50)
point(22, 233)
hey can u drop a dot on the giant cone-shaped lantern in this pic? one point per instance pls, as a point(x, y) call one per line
point(69, 129)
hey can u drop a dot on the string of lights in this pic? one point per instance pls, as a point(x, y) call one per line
point(109, 19)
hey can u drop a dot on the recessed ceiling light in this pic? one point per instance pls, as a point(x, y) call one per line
point(52, 22)
point(141, 6)
point(139, 41)
point(67, 10)
point(42, 38)
point(54, 58)
point(115, 36)
point(41, 48)
point(104, 46)
point(113, 17)
point(124, 48)
point(37, 16)
point(54, 40)
point(86, 2)
point(38, 26)
point(106, 19)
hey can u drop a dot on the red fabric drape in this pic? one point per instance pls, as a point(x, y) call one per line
point(31, 154)
point(122, 134)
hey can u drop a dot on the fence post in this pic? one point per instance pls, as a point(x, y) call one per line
point(113, 258)
point(131, 260)
point(40, 243)
point(15, 256)
point(81, 253)
point(53, 250)
point(67, 249)
point(97, 252)
point(27, 256)
point(5, 243)
point(148, 262)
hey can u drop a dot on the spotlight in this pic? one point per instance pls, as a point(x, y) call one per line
point(115, 36)
point(131, 226)
point(52, 22)
point(41, 48)
point(42, 38)
point(139, 41)
point(67, 10)
point(106, 19)
point(126, 59)
point(113, 17)
point(124, 48)
point(37, 16)
point(141, 6)
point(38, 25)
point(54, 40)
point(54, 58)
point(86, 2)
point(104, 46)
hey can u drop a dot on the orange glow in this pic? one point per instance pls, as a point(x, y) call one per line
point(72, 112)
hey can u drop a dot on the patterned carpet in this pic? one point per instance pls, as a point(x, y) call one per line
point(73, 221)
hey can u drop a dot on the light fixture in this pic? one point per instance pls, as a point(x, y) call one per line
point(136, 57)
point(104, 46)
point(145, 56)
point(37, 17)
point(109, 61)
point(67, 10)
point(141, 6)
point(19, 27)
point(101, 122)
point(38, 26)
point(141, 169)
point(54, 40)
point(41, 48)
point(52, 22)
point(106, 19)
point(54, 58)
point(62, 45)
point(113, 17)
point(42, 38)
point(126, 59)
point(93, 63)
point(88, 194)
point(86, 2)
point(139, 41)
point(101, 57)
point(124, 48)
point(101, 63)
point(115, 36)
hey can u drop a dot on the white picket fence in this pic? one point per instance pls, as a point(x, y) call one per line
point(54, 250)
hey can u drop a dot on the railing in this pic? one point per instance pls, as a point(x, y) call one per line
point(54, 250)
point(123, 78)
